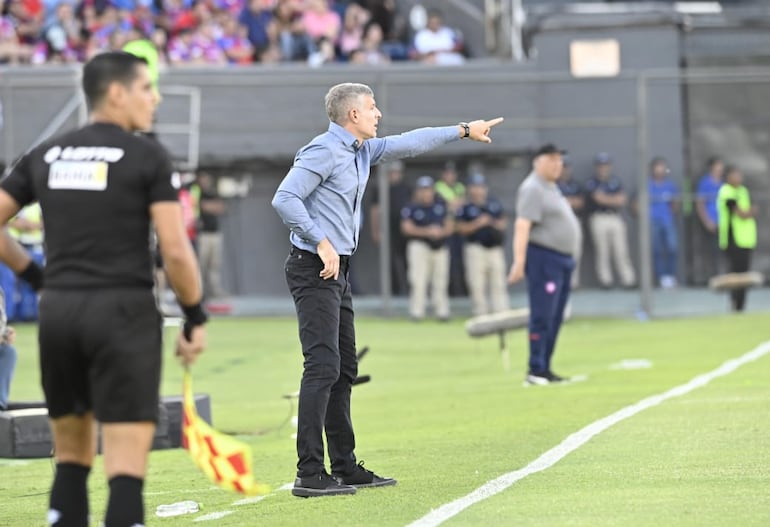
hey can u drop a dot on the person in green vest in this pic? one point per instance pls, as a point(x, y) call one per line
point(452, 191)
point(737, 228)
point(142, 47)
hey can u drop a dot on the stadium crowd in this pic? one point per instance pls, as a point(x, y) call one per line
point(220, 32)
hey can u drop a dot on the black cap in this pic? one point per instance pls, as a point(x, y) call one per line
point(548, 149)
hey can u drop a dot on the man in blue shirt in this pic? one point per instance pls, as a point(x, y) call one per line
point(606, 199)
point(481, 220)
point(427, 224)
point(319, 200)
point(706, 207)
point(664, 204)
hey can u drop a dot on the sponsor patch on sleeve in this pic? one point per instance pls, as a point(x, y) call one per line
point(78, 175)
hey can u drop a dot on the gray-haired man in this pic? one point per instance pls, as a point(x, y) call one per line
point(320, 200)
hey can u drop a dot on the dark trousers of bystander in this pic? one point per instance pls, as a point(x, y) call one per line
point(327, 334)
point(738, 261)
point(549, 275)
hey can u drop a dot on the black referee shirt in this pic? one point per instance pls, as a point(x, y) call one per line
point(95, 186)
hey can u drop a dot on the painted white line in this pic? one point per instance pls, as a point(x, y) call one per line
point(212, 516)
point(182, 491)
point(632, 364)
point(581, 437)
point(249, 501)
point(257, 499)
point(13, 462)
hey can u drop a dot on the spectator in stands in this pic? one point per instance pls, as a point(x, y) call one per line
point(737, 229)
point(11, 50)
point(573, 191)
point(288, 35)
point(606, 199)
point(399, 195)
point(256, 16)
point(206, 45)
point(320, 21)
point(234, 42)
point(481, 220)
point(324, 53)
point(706, 207)
point(63, 35)
point(664, 205)
point(427, 225)
point(180, 48)
point(384, 12)
point(27, 18)
point(352, 32)
point(176, 18)
point(159, 38)
point(371, 51)
point(437, 43)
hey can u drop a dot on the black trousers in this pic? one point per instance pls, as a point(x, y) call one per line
point(738, 261)
point(327, 334)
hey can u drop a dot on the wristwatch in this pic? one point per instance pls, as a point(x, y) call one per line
point(467, 129)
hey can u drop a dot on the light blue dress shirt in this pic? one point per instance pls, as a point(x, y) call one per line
point(321, 195)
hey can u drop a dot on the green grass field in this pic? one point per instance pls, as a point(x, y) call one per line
point(443, 417)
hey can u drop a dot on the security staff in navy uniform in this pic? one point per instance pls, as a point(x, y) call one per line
point(575, 194)
point(545, 236)
point(427, 224)
point(100, 187)
point(606, 199)
point(481, 220)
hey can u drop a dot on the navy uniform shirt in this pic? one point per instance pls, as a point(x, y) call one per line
point(570, 188)
point(488, 236)
point(613, 185)
point(425, 216)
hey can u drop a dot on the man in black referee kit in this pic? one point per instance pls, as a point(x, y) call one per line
point(100, 331)
point(320, 201)
point(545, 239)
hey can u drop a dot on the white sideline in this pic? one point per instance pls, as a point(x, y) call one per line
point(581, 437)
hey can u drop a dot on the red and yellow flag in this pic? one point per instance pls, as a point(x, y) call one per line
point(225, 460)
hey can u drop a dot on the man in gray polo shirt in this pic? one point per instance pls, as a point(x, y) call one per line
point(545, 241)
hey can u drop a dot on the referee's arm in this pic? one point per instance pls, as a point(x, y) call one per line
point(183, 274)
point(178, 256)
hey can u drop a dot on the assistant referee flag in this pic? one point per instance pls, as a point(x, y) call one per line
point(225, 460)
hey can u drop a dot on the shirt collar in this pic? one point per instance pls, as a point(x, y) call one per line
point(347, 138)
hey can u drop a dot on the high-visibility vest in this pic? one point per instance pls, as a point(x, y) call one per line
point(744, 229)
point(450, 193)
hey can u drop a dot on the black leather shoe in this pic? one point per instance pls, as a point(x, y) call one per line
point(362, 478)
point(320, 485)
point(552, 377)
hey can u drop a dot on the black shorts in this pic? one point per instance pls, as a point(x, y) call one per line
point(101, 350)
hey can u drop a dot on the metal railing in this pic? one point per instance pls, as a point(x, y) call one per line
point(75, 106)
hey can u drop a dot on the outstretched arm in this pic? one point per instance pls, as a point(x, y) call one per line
point(421, 140)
